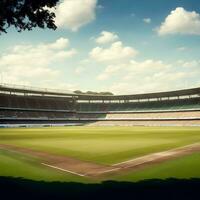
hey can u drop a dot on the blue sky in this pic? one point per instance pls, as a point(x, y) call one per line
point(122, 46)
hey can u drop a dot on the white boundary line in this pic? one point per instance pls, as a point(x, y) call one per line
point(129, 161)
point(110, 170)
point(171, 151)
point(65, 170)
point(156, 154)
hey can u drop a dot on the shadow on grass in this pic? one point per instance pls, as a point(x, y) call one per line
point(18, 188)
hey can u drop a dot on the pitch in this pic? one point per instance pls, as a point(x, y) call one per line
point(93, 154)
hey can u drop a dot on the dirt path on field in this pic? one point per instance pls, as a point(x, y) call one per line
point(63, 163)
point(159, 157)
point(89, 169)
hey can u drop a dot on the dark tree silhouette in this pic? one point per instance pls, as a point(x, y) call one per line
point(27, 14)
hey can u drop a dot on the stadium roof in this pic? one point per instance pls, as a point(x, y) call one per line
point(46, 92)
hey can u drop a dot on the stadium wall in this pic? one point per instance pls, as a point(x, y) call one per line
point(181, 108)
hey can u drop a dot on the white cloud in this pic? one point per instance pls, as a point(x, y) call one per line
point(182, 48)
point(151, 76)
point(106, 37)
point(116, 52)
point(181, 21)
point(109, 71)
point(27, 63)
point(147, 20)
point(73, 14)
point(190, 64)
point(130, 68)
point(60, 86)
point(59, 44)
point(153, 82)
point(79, 70)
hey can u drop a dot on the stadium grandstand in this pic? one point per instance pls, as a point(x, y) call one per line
point(23, 106)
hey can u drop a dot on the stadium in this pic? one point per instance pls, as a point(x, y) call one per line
point(130, 135)
point(99, 99)
point(26, 106)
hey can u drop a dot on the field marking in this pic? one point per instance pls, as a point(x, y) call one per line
point(162, 153)
point(182, 150)
point(110, 170)
point(137, 159)
point(61, 169)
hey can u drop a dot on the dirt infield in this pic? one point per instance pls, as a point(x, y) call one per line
point(63, 163)
point(89, 169)
point(158, 157)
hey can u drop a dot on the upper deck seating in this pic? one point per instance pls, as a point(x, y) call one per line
point(34, 102)
point(177, 104)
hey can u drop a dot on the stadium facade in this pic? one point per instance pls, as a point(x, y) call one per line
point(23, 106)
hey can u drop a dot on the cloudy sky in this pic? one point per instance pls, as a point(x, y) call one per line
point(122, 46)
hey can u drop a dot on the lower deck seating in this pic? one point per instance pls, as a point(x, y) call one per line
point(39, 115)
point(155, 115)
point(12, 114)
point(146, 123)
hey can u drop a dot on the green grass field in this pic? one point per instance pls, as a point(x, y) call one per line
point(103, 145)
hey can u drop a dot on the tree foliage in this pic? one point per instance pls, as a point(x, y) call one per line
point(78, 92)
point(27, 14)
point(94, 93)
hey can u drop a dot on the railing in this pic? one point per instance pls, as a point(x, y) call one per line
point(148, 97)
point(37, 89)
